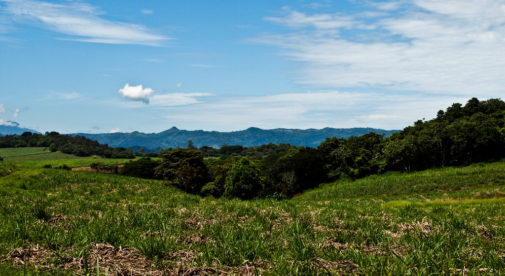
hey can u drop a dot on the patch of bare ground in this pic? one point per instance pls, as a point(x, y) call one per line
point(115, 260)
point(197, 224)
point(35, 255)
point(122, 261)
point(424, 226)
point(467, 271)
point(247, 269)
point(341, 266)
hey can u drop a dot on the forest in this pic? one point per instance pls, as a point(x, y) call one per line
point(460, 135)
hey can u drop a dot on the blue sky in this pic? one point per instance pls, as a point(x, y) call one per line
point(108, 66)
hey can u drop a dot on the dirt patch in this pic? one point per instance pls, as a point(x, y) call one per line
point(342, 266)
point(423, 226)
point(83, 169)
point(118, 260)
point(35, 255)
point(115, 260)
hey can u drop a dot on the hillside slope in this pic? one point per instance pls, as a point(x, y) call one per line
point(441, 221)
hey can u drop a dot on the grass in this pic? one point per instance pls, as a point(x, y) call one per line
point(441, 221)
point(37, 157)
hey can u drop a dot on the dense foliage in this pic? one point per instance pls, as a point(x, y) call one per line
point(243, 180)
point(184, 168)
point(76, 145)
point(144, 168)
point(460, 135)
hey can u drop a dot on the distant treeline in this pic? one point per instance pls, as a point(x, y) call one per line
point(76, 145)
point(460, 135)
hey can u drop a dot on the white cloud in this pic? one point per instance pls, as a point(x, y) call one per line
point(2, 108)
point(6, 123)
point(16, 113)
point(136, 93)
point(82, 22)
point(309, 110)
point(179, 84)
point(115, 130)
point(450, 47)
point(177, 99)
point(62, 96)
point(146, 11)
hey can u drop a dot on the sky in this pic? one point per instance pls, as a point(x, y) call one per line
point(226, 65)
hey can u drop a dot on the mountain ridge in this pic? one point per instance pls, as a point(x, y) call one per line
point(11, 128)
point(252, 136)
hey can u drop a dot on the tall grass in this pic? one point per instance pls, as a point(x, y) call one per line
point(439, 221)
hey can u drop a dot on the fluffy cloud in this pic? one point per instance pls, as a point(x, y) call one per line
point(81, 22)
point(440, 47)
point(115, 130)
point(16, 113)
point(2, 108)
point(136, 93)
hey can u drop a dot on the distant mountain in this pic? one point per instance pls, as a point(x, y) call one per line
point(174, 137)
point(9, 128)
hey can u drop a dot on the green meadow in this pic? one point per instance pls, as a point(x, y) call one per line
point(440, 221)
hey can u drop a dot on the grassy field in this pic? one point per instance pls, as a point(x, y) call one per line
point(443, 221)
point(38, 157)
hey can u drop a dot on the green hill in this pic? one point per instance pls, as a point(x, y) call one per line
point(441, 221)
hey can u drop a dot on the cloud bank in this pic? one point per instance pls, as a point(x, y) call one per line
point(450, 47)
point(81, 22)
point(309, 110)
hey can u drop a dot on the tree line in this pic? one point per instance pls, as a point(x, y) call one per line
point(460, 135)
point(76, 145)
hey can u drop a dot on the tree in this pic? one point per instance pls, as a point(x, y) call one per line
point(183, 168)
point(243, 180)
point(297, 170)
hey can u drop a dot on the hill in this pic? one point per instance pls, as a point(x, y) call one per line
point(439, 221)
point(13, 128)
point(174, 137)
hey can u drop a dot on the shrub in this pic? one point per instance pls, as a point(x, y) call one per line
point(243, 180)
point(143, 168)
point(64, 167)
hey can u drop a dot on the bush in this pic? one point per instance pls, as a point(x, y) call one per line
point(143, 168)
point(64, 167)
point(243, 180)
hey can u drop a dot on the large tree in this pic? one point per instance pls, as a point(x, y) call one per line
point(184, 168)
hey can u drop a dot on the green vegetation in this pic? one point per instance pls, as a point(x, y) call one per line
point(76, 145)
point(378, 215)
point(243, 180)
point(438, 221)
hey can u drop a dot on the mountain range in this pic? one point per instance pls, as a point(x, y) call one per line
point(10, 128)
point(175, 137)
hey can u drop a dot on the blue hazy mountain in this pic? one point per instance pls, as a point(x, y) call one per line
point(13, 128)
point(174, 137)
